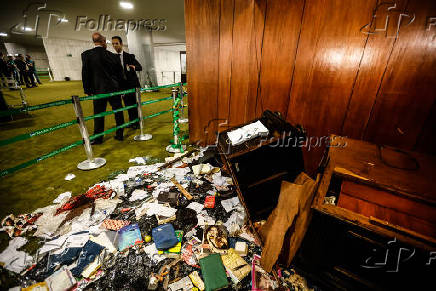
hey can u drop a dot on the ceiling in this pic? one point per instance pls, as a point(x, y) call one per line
point(74, 10)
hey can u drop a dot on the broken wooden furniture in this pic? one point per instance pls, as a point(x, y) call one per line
point(259, 166)
point(374, 220)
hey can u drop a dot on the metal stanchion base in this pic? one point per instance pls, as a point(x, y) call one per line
point(142, 137)
point(88, 165)
point(170, 149)
point(183, 120)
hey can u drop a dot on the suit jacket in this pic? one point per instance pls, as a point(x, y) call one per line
point(100, 71)
point(131, 80)
point(21, 65)
point(3, 66)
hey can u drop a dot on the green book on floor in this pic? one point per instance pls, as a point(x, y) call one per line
point(214, 274)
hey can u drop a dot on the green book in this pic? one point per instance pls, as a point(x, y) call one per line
point(214, 274)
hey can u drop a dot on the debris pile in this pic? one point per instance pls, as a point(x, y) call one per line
point(177, 225)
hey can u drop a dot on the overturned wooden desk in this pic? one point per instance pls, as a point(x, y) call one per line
point(374, 220)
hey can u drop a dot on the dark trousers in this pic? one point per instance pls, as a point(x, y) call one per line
point(26, 77)
point(34, 74)
point(100, 106)
point(4, 78)
point(130, 99)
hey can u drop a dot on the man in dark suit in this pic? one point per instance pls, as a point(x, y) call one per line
point(24, 72)
point(101, 74)
point(129, 67)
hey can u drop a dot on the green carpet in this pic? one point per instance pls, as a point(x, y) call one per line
point(37, 185)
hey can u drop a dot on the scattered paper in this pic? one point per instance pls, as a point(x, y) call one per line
point(70, 177)
point(138, 194)
point(183, 284)
point(13, 260)
point(62, 197)
point(205, 219)
point(61, 280)
point(139, 160)
point(154, 208)
point(230, 204)
point(153, 254)
point(247, 132)
point(198, 207)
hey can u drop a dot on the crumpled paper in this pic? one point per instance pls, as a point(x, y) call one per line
point(70, 177)
point(204, 218)
point(198, 207)
point(153, 254)
point(247, 132)
point(62, 197)
point(48, 223)
point(13, 260)
point(61, 280)
point(235, 221)
point(139, 160)
point(154, 208)
point(138, 194)
point(230, 204)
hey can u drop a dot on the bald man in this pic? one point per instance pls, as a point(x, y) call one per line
point(101, 74)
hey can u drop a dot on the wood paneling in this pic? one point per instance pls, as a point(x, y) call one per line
point(225, 61)
point(329, 65)
point(327, 62)
point(408, 89)
point(242, 53)
point(257, 38)
point(375, 58)
point(202, 50)
point(282, 30)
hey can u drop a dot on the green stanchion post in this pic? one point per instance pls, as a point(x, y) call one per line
point(176, 146)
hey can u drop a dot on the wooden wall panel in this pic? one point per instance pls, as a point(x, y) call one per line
point(282, 30)
point(378, 49)
point(257, 37)
point(225, 62)
point(311, 60)
point(427, 139)
point(202, 49)
point(242, 51)
point(329, 52)
point(408, 90)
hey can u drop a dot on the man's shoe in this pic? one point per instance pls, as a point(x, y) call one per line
point(96, 142)
point(120, 138)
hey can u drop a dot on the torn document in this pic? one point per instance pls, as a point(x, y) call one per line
point(13, 260)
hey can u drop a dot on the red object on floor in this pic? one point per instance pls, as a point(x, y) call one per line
point(209, 202)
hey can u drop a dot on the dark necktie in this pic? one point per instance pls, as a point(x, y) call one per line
point(122, 66)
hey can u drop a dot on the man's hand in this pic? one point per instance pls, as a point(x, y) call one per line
point(132, 66)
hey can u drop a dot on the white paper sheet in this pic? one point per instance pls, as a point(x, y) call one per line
point(138, 194)
point(62, 197)
point(198, 207)
point(230, 204)
point(13, 260)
